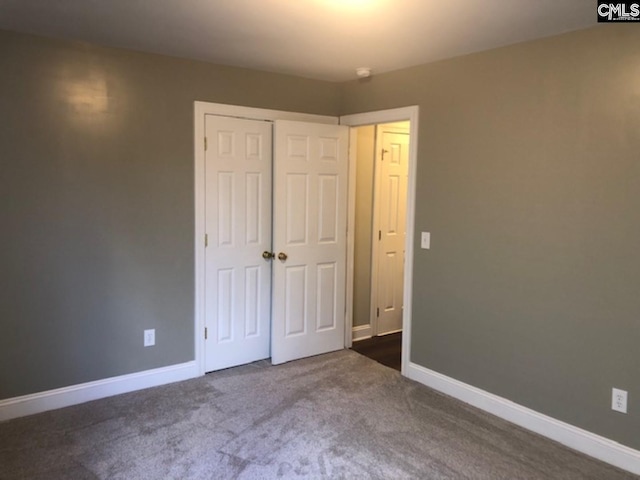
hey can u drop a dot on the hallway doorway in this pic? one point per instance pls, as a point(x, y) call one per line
point(381, 180)
point(410, 115)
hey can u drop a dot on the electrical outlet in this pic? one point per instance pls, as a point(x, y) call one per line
point(150, 337)
point(619, 400)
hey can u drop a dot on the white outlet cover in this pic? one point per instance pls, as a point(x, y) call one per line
point(425, 240)
point(619, 400)
point(150, 337)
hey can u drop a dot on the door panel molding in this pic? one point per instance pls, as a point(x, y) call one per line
point(314, 302)
point(389, 206)
point(201, 109)
point(237, 276)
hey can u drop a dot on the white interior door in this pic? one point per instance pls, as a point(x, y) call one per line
point(310, 214)
point(238, 164)
point(391, 202)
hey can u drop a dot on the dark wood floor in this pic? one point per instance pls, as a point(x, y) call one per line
point(386, 349)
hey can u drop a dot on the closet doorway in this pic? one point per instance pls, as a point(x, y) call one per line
point(271, 191)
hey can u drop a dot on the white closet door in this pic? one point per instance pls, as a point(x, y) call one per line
point(238, 167)
point(310, 214)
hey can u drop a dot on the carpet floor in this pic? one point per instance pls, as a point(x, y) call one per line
point(338, 415)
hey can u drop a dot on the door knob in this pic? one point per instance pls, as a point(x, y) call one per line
point(282, 256)
point(268, 255)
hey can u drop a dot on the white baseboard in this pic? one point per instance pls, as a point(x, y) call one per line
point(390, 332)
point(361, 332)
point(85, 392)
point(581, 440)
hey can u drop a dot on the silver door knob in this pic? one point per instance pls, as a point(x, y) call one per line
point(282, 256)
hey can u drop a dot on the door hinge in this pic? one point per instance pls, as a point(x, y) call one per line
point(206, 240)
point(206, 333)
point(379, 235)
point(377, 312)
point(383, 152)
point(205, 144)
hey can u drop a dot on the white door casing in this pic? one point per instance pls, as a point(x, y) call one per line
point(392, 158)
point(238, 161)
point(412, 114)
point(310, 215)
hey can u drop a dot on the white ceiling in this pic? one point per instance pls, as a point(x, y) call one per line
point(323, 39)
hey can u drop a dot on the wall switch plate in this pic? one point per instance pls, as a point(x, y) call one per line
point(425, 240)
point(619, 400)
point(150, 337)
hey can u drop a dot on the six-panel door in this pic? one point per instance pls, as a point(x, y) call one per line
point(238, 165)
point(306, 290)
point(392, 206)
point(310, 219)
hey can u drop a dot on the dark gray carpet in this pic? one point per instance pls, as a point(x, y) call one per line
point(339, 415)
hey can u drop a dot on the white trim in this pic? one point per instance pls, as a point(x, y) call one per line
point(199, 258)
point(260, 113)
point(380, 117)
point(85, 392)
point(389, 333)
point(361, 332)
point(581, 440)
point(200, 110)
point(375, 229)
point(349, 336)
point(388, 116)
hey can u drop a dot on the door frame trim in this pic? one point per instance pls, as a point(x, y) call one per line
point(200, 110)
point(410, 113)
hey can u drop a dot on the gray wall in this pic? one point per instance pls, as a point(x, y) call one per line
point(363, 227)
point(96, 149)
point(529, 180)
